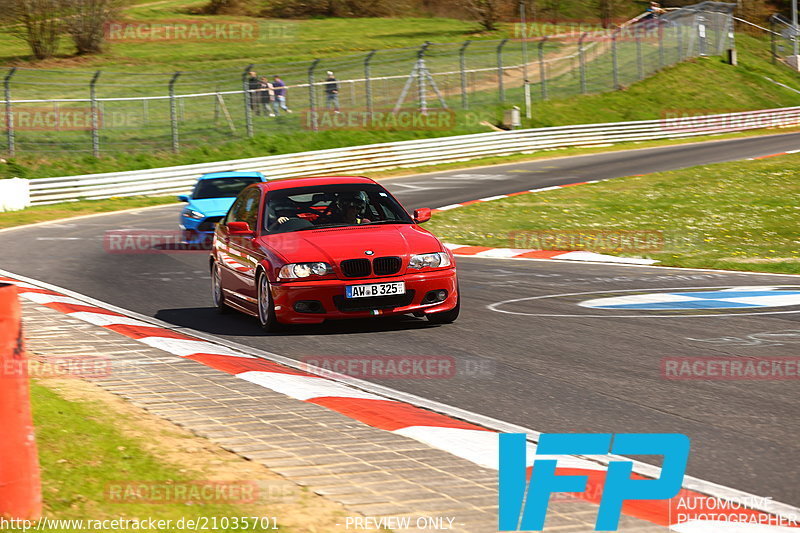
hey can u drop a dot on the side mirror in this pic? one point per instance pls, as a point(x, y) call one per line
point(422, 214)
point(240, 228)
point(183, 197)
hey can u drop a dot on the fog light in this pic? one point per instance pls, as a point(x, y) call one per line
point(434, 296)
point(309, 306)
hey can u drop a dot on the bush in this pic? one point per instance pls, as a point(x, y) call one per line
point(332, 8)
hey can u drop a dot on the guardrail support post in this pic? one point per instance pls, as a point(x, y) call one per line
point(614, 60)
point(500, 88)
point(542, 69)
point(312, 95)
point(95, 115)
point(173, 113)
point(462, 67)
point(9, 112)
point(248, 112)
point(582, 59)
point(368, 82)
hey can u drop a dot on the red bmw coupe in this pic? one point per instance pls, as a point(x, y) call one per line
point(305, 250)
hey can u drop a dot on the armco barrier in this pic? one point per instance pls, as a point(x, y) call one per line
point(20, 488)
point(405, 154)
point(15, 194)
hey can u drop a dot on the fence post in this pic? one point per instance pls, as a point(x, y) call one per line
point(542, 69)
point(368, 82)
point(614, 60)
point(462, 67)
point(701, 35)
point(312, 95)
point(248, 116)
point(639, 61)
point(582, 60)
point(660, 47)
point(421, 73)
point(771, 35)
point(9, 112)
point(680, 42)
point(173, 113)
point(502, 94)
point(95, 121)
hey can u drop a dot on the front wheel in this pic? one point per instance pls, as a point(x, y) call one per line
point(446, 317)
point(217, 295)
point(266, 307)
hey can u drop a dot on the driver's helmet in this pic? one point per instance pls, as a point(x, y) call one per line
point(357, 199)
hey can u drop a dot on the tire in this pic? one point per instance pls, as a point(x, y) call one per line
point(446, 317)
point(266, 307)
point(217, 296)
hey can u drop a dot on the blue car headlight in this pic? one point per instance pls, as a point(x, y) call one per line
point(191, 213)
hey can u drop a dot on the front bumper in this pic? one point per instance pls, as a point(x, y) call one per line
point(334, 305)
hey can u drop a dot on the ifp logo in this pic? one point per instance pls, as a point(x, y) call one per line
point(519, 512)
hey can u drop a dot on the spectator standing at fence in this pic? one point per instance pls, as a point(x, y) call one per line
point(331, 92)
point(280, 96)
point(253, 94)
point(267, 95)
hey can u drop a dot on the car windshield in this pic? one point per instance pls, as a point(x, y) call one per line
point(222, 187)
point(329, 206)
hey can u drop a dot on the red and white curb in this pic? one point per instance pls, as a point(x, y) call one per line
point(772, 155)
point(463, 439)
point(522, 253)
point(528, 253)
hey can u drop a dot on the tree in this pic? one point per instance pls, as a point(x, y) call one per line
point(38, 22)
point(86, 21)
point(606, 10)
point(486, 12)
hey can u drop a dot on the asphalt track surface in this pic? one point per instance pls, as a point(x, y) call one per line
point(592, 371)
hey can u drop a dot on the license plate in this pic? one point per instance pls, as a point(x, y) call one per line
point(375, 289)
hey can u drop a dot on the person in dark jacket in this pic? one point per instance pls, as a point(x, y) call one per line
point(254, 94)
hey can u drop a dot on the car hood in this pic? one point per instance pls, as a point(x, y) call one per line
point(211, 207)
point(334, 245)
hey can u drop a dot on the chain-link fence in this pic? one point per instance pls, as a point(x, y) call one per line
point(106, 112)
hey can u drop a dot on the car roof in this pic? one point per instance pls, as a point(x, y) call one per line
point(289, 183)
point(217, 175)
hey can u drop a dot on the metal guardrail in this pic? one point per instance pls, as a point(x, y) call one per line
point(405, 154)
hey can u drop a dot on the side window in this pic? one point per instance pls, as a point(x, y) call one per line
point(250, 208)
point(234, 213)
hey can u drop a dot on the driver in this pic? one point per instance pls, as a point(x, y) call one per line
point(283, 210)
point(349, 208)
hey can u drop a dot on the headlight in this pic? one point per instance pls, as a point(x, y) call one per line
point(304, 270)
point(191, 213)
point(436, 260)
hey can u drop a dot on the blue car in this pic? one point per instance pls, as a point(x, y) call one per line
point(210, 200)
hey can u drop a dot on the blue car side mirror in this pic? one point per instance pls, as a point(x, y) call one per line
point(183, 197)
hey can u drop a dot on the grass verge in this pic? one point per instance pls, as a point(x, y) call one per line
point(739, 215)
point(88, 438)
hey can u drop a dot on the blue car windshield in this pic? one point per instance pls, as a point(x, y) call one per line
point(222, 187)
